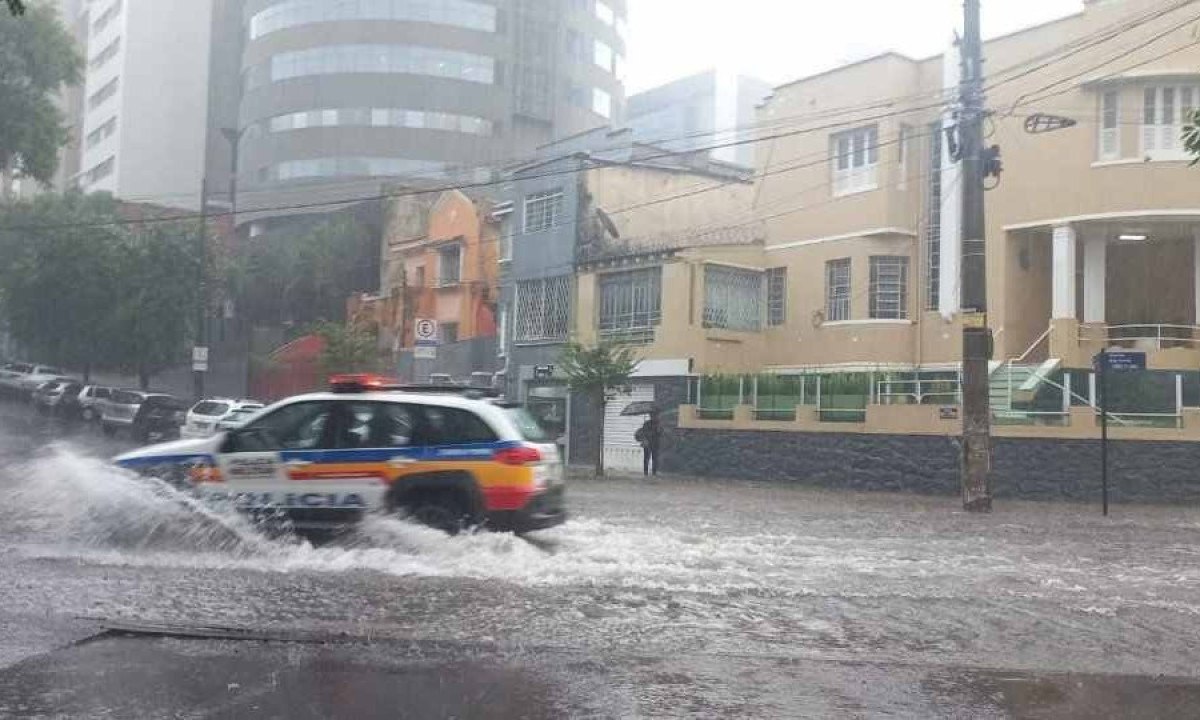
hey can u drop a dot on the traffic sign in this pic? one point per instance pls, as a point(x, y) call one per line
point(425, 352)
point(1121, 361)
point(426, 331)
point(200, 359)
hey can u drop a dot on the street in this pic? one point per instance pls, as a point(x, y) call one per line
point(667, 598)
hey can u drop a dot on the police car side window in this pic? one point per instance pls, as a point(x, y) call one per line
point(294, 427)
point(453, 426)
point(376, 425)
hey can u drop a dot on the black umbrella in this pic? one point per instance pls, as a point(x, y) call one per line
point(641, 407)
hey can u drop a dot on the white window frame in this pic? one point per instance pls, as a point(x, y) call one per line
point(855, 160)
point(838, 294)
point(1164, 113)
point(889, 293)
point(1108, 144)
point(547, 205)
point(443, 279)
point(721, 308)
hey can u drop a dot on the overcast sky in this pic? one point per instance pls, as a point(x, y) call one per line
point(781, 40)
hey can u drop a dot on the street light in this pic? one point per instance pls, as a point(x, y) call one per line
point(234, 136)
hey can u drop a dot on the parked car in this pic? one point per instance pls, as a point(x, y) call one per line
point(47, 395)
point(121, 409)
point(158, 418)
point(91, 401)
point(205, 416)
point(41, 374)
point(237, 418)
point(21, 378)
point(68, 407)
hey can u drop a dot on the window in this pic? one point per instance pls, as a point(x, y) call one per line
point(1110, 125)
point(356, 166)
point(605, 12)
point(903, 152)
point(100, 171)
point(449, 265)
point(776, 296)
point(631, 302)
point(381, 117)
point(543, 308)
point(1166, 110)
point(210, 408)
point(602, 103)
point(300, 426)
point(377, 425)
point(837, 290)
point(97, 98)
point(449, 332)
point(542, 210)
point(403, 59)
point(933, 221)
point(855, 157)
point(108, 53)
point(733, 298)
point(602, 55)
point(458, 13)
point(503, 213)
point(502, 332)
point(889, 288)
point(452, 426)
point(101, 133)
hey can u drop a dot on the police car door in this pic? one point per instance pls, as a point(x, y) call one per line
point(374, 448)
point(259, 460)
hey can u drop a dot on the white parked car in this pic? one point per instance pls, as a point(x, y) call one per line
point(206, 416)
point(237, 418)
point(23, 378)
point(91, 401)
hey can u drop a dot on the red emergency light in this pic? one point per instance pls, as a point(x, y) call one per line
point(361, 382)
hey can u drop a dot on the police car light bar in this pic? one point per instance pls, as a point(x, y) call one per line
point(362, 382)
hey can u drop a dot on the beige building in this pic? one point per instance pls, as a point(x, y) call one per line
point(851, 255)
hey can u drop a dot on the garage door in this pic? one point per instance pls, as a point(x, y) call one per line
point(621, 451)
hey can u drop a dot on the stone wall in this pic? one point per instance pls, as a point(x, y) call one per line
point(1023, 468)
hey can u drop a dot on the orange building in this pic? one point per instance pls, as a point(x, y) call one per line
point(440, 263)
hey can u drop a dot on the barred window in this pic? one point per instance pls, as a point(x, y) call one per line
point(733, 298)
point(837, 290)
point(889, 287)
point(933, 223)
point(631, 302)
point(449, 265)
point(776, 296)
point(542, 210)
point(543, 308)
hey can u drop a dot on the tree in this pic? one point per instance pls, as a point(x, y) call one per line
point(347, 349)
point(37, 58)
point(153, 320)
point(59, 280)
point(1191, 136)
point(594, 373)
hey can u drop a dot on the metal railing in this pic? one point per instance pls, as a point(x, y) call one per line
point(1151, 337)
point(919, 391)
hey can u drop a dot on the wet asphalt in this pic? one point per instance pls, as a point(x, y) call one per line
point(664, 599)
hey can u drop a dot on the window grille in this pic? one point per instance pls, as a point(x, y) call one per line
point(449, 265)
point(776, 296)
point(631, 304)
point(733, 298)
point(889, 287)
point(933, 223)
point(837, 290)
point(1110, 125)
point(542, 210)
point(543, 309)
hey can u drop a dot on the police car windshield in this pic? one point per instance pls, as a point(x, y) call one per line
point(526, 425)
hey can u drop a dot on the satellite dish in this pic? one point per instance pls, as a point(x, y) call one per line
point(608, 224)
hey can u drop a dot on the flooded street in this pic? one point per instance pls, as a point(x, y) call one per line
point(664, 599)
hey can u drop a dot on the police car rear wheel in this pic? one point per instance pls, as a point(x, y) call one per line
point(441, 511)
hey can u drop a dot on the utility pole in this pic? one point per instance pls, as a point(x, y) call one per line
point(200, 351)
point(977, 336)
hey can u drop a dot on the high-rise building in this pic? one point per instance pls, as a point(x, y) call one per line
point(142, 119)
point(711, 108)
point(335, 97)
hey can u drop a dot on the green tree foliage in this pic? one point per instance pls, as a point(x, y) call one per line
point(596, 372)
point(37, 58)
point(1191, 136)
point(347, 349)
point(300, 274)
point(80, 288)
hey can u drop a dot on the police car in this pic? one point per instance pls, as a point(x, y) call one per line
point(324, 460)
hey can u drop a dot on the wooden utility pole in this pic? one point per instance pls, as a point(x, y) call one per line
point(977, 336)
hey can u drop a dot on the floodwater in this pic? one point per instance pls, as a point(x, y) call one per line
point(669, 598)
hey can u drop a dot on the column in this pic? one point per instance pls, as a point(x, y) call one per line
point(1095, 274)
point(1196, 270)
point(1064, 273)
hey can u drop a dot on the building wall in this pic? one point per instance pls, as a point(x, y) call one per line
point(625, 193)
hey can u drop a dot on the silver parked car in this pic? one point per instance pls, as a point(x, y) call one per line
point(91, 401)
point(121, 409)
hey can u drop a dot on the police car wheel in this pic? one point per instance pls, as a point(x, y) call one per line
point(441, 511)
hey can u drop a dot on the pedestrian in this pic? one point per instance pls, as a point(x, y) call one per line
point(649, 436)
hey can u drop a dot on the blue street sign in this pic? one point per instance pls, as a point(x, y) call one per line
point(1121, 361)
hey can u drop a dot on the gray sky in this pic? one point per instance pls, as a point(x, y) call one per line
point(781, 40)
